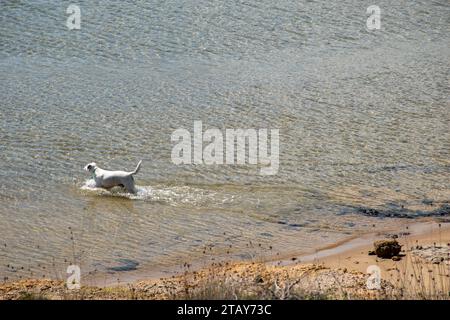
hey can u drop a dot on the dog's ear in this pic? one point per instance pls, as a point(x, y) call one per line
point(90, 166)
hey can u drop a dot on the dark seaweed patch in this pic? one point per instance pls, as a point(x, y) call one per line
point(295, 225)
point(401, 212)
point(125, 265)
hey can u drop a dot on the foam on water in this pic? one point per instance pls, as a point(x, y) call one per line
point(174, 195)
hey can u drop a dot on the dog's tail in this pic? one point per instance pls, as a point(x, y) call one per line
point(137, 168)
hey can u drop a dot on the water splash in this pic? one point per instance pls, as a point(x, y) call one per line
point(173, 195)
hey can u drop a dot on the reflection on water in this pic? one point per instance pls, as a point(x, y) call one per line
point(363, 116)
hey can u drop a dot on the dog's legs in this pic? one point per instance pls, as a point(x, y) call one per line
point(129, 186)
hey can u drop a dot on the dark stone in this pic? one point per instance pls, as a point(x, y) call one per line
point(387, 248)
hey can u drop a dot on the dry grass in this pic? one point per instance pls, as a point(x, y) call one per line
point(413, 278)
point(244, 281)
point(417, 278)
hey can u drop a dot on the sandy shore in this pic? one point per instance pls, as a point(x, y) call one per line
point(422, 271)
point(424, 262)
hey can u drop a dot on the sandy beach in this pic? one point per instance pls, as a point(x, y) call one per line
point(420, 271)
point(424, 263)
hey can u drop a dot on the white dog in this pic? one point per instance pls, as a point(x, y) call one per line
point(109, 179)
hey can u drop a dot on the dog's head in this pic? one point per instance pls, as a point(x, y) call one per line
point(90, 167)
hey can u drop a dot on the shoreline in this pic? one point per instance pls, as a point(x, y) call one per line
point(412, 230)
point(414, 238)
point(350, 244)
point(347, 258)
